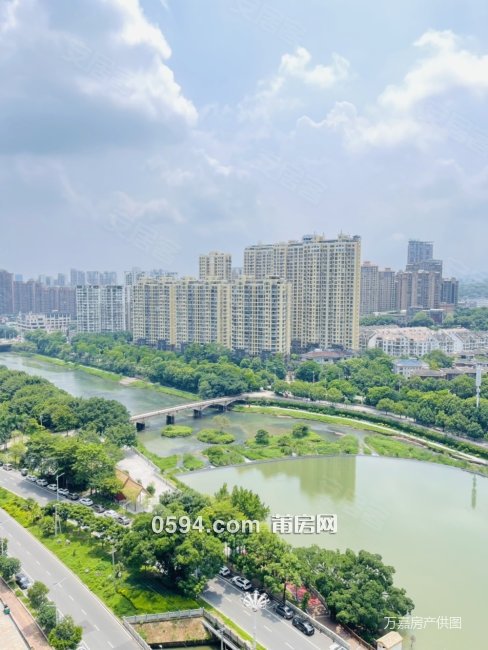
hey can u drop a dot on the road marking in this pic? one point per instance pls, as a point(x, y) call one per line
point(110, 644)
point(96, 628)
point(37, 561)
point(267, 628)
point(290, 646)
point(227, 598)
point(48, 572)
point(70, 596)
point(83, 611)
point(315, 646)
point(246, 612)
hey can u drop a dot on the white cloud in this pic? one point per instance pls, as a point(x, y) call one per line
point(322, 76)
point(137, 30)
point(447, 66)
point(402, 113)
point(280, 94)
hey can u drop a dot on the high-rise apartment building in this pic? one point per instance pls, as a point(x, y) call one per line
point(6, 293)
point(449, 291)
point(419, 251)
point(261, 311)
point(77, 278)
point(170, 313)
point(418, 289)
point(325, 279)
point(386, 290)
point(217, 266)
point(369, 289)
point(100, 309)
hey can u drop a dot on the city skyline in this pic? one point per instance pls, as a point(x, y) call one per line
point(151, 132)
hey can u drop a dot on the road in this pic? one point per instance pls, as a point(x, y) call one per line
point(101, 629)
point(272, 631)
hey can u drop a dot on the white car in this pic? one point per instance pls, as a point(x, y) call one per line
point(85, 501)
point(42, 482)
point(110, 513)
point(242, 583)
point(224, 572)
point(31, 477)
point(63, 492)
point(52, 487)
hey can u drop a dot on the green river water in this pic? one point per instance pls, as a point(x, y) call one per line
point(429, 521)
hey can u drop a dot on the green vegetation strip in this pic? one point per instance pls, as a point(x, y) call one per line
point(396, 449)
point(176, 431)
point(128, 596)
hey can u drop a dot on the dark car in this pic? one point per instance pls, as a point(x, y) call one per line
point(303, 625)
point(22, 580)
point(98, 507)
point(24, 471)
point(74, 496)
point(284, 610)
point(1, 463)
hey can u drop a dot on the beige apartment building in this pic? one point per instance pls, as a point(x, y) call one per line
point(325, 287)
point(216, 266)
point(261, 316)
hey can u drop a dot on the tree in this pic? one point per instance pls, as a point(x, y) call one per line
point(438, 359)
point(66, 635)
point(308, 371)
point(262, 437)
point(121, 435)
point(46, 616)
point(300, 431)
point(248, 503)
point(9, 566)
point(421, 319)
point(37, 594)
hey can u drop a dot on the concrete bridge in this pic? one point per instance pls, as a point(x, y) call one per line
point(221, 403)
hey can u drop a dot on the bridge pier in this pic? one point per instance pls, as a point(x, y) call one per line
point(221, 408)
point(140, 426)
point(197, 413)
point(170, 418)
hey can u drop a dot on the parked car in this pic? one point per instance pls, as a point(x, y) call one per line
point(8, 466)
point(242, 583)
point(110, 513)
point(122, 519)
point(63, 492)
point(303, 625)
point(98, 508)
point(22, 580)
point(283, 610)
point(42, 482)
point(1, 463)
point(85, 501)
point(74, 496)
point(52, 487)
point(225, 572)
point(24, 471)
point(31, 477)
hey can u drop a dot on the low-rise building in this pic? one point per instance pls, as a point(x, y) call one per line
point(406, 367)
point(391, 641)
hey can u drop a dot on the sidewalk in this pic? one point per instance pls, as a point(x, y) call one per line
point(23, 619)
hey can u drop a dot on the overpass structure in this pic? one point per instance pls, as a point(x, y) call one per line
point(221, 403)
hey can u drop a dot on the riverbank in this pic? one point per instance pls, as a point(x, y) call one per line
point(108, 375)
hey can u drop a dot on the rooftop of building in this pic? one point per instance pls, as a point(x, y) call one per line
point(390, 640)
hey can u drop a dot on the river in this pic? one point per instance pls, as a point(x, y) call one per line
point(429, 521)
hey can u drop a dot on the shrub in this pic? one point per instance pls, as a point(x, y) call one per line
point(215, 437)
point(176, 431)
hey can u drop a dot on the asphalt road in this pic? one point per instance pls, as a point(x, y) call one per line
point(272, 631)
point(101, 629)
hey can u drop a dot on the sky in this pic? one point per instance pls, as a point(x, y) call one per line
point(147, 132)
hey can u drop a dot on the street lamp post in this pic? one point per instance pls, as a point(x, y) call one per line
point(56, 523)
point(255, 601)
point(112, 553)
